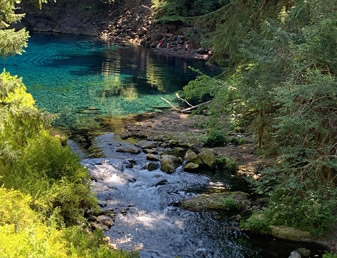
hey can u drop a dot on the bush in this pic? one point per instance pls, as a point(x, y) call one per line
point(329, 255)
point(67, 203)
point(215, 138)
point(308, 210)
point(257, 222)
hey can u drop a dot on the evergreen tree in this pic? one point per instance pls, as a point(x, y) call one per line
point(282, 81)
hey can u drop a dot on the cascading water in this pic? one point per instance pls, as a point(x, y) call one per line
point(147, 218)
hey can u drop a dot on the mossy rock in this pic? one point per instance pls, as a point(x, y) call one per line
point(289, 233)
point(191, 166)
point(226, 202)
point(169, 163)
point(208, 158)
point(191, 156)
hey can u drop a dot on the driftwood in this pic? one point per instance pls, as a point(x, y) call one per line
point(184, 100)
point(186, 110)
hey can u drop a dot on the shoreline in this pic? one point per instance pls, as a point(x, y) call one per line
point(173, 52)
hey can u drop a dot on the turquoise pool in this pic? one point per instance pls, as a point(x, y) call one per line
point(82, 79)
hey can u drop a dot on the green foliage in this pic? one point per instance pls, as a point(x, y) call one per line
point(329, 255)
point(166, 9)
point(67, 203)
point(227, 163)
point(215, 138)
point(309, 210)
point(281, 81)
point(23, 234)
point(258, 222)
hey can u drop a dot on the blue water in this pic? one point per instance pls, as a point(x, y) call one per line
point(82, 79)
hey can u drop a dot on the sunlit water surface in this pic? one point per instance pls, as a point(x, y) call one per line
point(83, 79)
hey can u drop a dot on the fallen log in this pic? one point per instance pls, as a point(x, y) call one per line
point(186, 110)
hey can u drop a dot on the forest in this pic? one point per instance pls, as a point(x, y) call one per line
point(277, 83)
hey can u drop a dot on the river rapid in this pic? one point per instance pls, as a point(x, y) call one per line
point(148, 219)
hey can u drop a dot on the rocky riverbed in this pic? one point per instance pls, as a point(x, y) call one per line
point(151, 203)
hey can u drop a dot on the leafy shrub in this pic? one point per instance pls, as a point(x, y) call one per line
point(329, 255)
point(237, 140)
point(215, 138)
point(309, 210)
point(15, 209)
point(92, 246)
point(67, 202)
point(22, 234)
point(257, 222)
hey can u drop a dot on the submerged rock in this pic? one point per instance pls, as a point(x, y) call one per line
point(289, 233)
point(226, 201)
point(161, 182)
point(151, 166)
point(169, 163)
point(128, 149)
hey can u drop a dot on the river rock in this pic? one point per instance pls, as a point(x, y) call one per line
point(147, 144)
point(105, 220)
point(294, 254)
point(176, 151)
point(151, 166)
point(208, 158)
point(191, 156)
point(191, 166)
point(161, 182)
point(303, 252)
point(100, 226)
point(153, 157)
point(129, 148)
point(152, 151)
point(125, 135)
point(289, 233)
point(169, 163)
point(225, 202)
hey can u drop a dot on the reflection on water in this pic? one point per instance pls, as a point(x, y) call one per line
point(83, 79)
